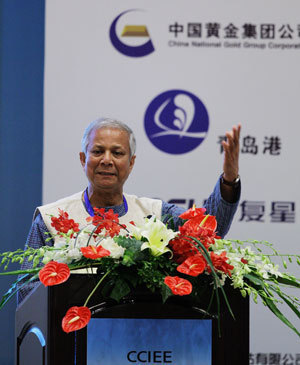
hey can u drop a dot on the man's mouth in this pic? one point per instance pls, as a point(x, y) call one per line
point(106, 173)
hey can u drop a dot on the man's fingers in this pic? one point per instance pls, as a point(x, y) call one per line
point(233, 136)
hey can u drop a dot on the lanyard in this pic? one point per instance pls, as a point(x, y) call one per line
point(90, 209)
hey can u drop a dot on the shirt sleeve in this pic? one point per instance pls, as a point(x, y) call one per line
point(215, 205)
point(221, 209)
point(36, 238)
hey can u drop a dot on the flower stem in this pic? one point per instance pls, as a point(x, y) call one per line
point(95, 288)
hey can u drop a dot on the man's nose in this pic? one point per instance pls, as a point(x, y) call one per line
point(106, 158)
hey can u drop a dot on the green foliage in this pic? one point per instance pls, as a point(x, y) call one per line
point(165, 293)
point(17, 285)
point(120, 289)
point(153, 271)
point(133, 253)
point(258, 277)
point(129, 243)
point(268, 292)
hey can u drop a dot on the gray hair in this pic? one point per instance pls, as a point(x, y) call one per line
point(107, 123)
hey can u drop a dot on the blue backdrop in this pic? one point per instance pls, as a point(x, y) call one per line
point(21, 135)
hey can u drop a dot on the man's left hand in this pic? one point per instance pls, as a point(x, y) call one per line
point(231, 153)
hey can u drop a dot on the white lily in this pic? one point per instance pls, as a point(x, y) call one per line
point(158, 236)
point(135, 231)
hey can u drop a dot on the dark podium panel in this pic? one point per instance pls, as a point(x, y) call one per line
point(41, 340)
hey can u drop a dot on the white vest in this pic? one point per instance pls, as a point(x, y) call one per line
point(138, 209)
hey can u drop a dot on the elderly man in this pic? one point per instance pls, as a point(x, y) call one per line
point(107, 157)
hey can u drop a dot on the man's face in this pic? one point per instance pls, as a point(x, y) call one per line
point(107, 162)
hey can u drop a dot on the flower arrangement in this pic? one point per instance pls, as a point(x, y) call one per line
point(183, 263)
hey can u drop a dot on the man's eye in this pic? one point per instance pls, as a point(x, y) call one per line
point(118, 153)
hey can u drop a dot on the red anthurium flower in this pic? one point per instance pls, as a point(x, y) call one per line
point(193, 212)
point(54, 273)
point(220, 263)
point(76, 318)
point(93, 252)
point(202, 228)
point(178, 285)
point(193, 265)
point(244, 261)
point(208, 222)
point(182, 249)
point(63, 224)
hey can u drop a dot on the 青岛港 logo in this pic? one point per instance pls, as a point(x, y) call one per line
point(131, 33)
point(176, 121)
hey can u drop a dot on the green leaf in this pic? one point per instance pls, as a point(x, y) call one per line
point(15, 288)
point(131, 277)
point(120, 289)
point(131, 257)
point(271, 305)
point(106, 289)
point(287, 281)
point(165, 292)
point(19, 272)
point(255, 279)
point(288, 302)
point(218, 285)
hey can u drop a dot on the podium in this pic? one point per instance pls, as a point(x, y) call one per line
point(41, 340)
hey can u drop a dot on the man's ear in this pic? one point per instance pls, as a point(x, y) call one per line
point(132, 161)
point(82, 158)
